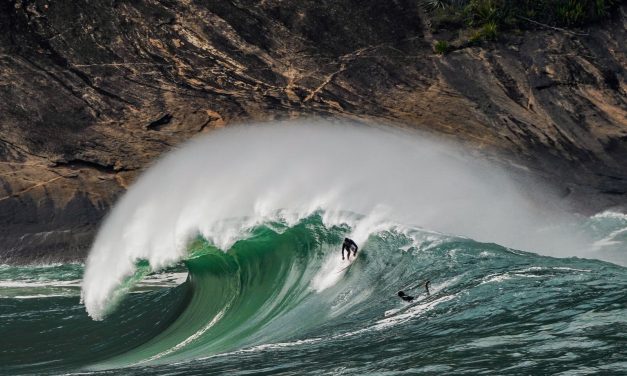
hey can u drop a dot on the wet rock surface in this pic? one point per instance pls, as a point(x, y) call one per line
point(92, 91)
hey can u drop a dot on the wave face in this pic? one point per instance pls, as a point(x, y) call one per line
point(280, 301)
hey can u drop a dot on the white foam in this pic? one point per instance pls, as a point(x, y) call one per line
point(611, 215)
point(609, 240)
point(330, 273)
point(35, 283)
point(36, 296)
point(164, 279)
point(264, 347)
point(496, 278)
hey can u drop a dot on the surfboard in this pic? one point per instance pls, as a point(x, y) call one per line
point(346, 267)
point(350, 262)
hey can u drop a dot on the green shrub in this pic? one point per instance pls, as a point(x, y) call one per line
point(481, 11)
point(571, 13)
point(489, 30)
point(475, 37)
point(441, 47)
point(512, 14)
point(602, 7)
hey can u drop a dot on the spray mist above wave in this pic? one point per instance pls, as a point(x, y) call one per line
point(221, 185)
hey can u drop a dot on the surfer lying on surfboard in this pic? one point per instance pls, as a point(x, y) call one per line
point(349, 245)
point(407, 298)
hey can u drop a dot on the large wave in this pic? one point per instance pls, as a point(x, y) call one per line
point(283, 290)
point(280, 300)
point(221, 186)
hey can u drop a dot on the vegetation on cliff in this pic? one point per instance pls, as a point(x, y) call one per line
point(477, 20)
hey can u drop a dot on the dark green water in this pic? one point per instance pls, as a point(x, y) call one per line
point(277, 302)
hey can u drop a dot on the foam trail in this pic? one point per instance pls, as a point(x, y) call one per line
point(261, 172)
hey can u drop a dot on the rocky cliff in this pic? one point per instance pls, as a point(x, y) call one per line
point(92, 91)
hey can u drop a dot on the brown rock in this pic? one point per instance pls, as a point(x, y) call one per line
point(92, 90)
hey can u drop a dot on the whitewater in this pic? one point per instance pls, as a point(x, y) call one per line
point(224, 257)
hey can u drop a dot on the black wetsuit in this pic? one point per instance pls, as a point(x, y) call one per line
point(349, 245)
point(406, 298)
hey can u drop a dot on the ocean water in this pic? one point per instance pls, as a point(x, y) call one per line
point(281, 302)
point(224, 258)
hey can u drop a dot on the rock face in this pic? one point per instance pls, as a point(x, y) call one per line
point(92, 91)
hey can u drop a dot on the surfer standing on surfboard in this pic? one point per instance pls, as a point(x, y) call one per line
point(349, 245)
